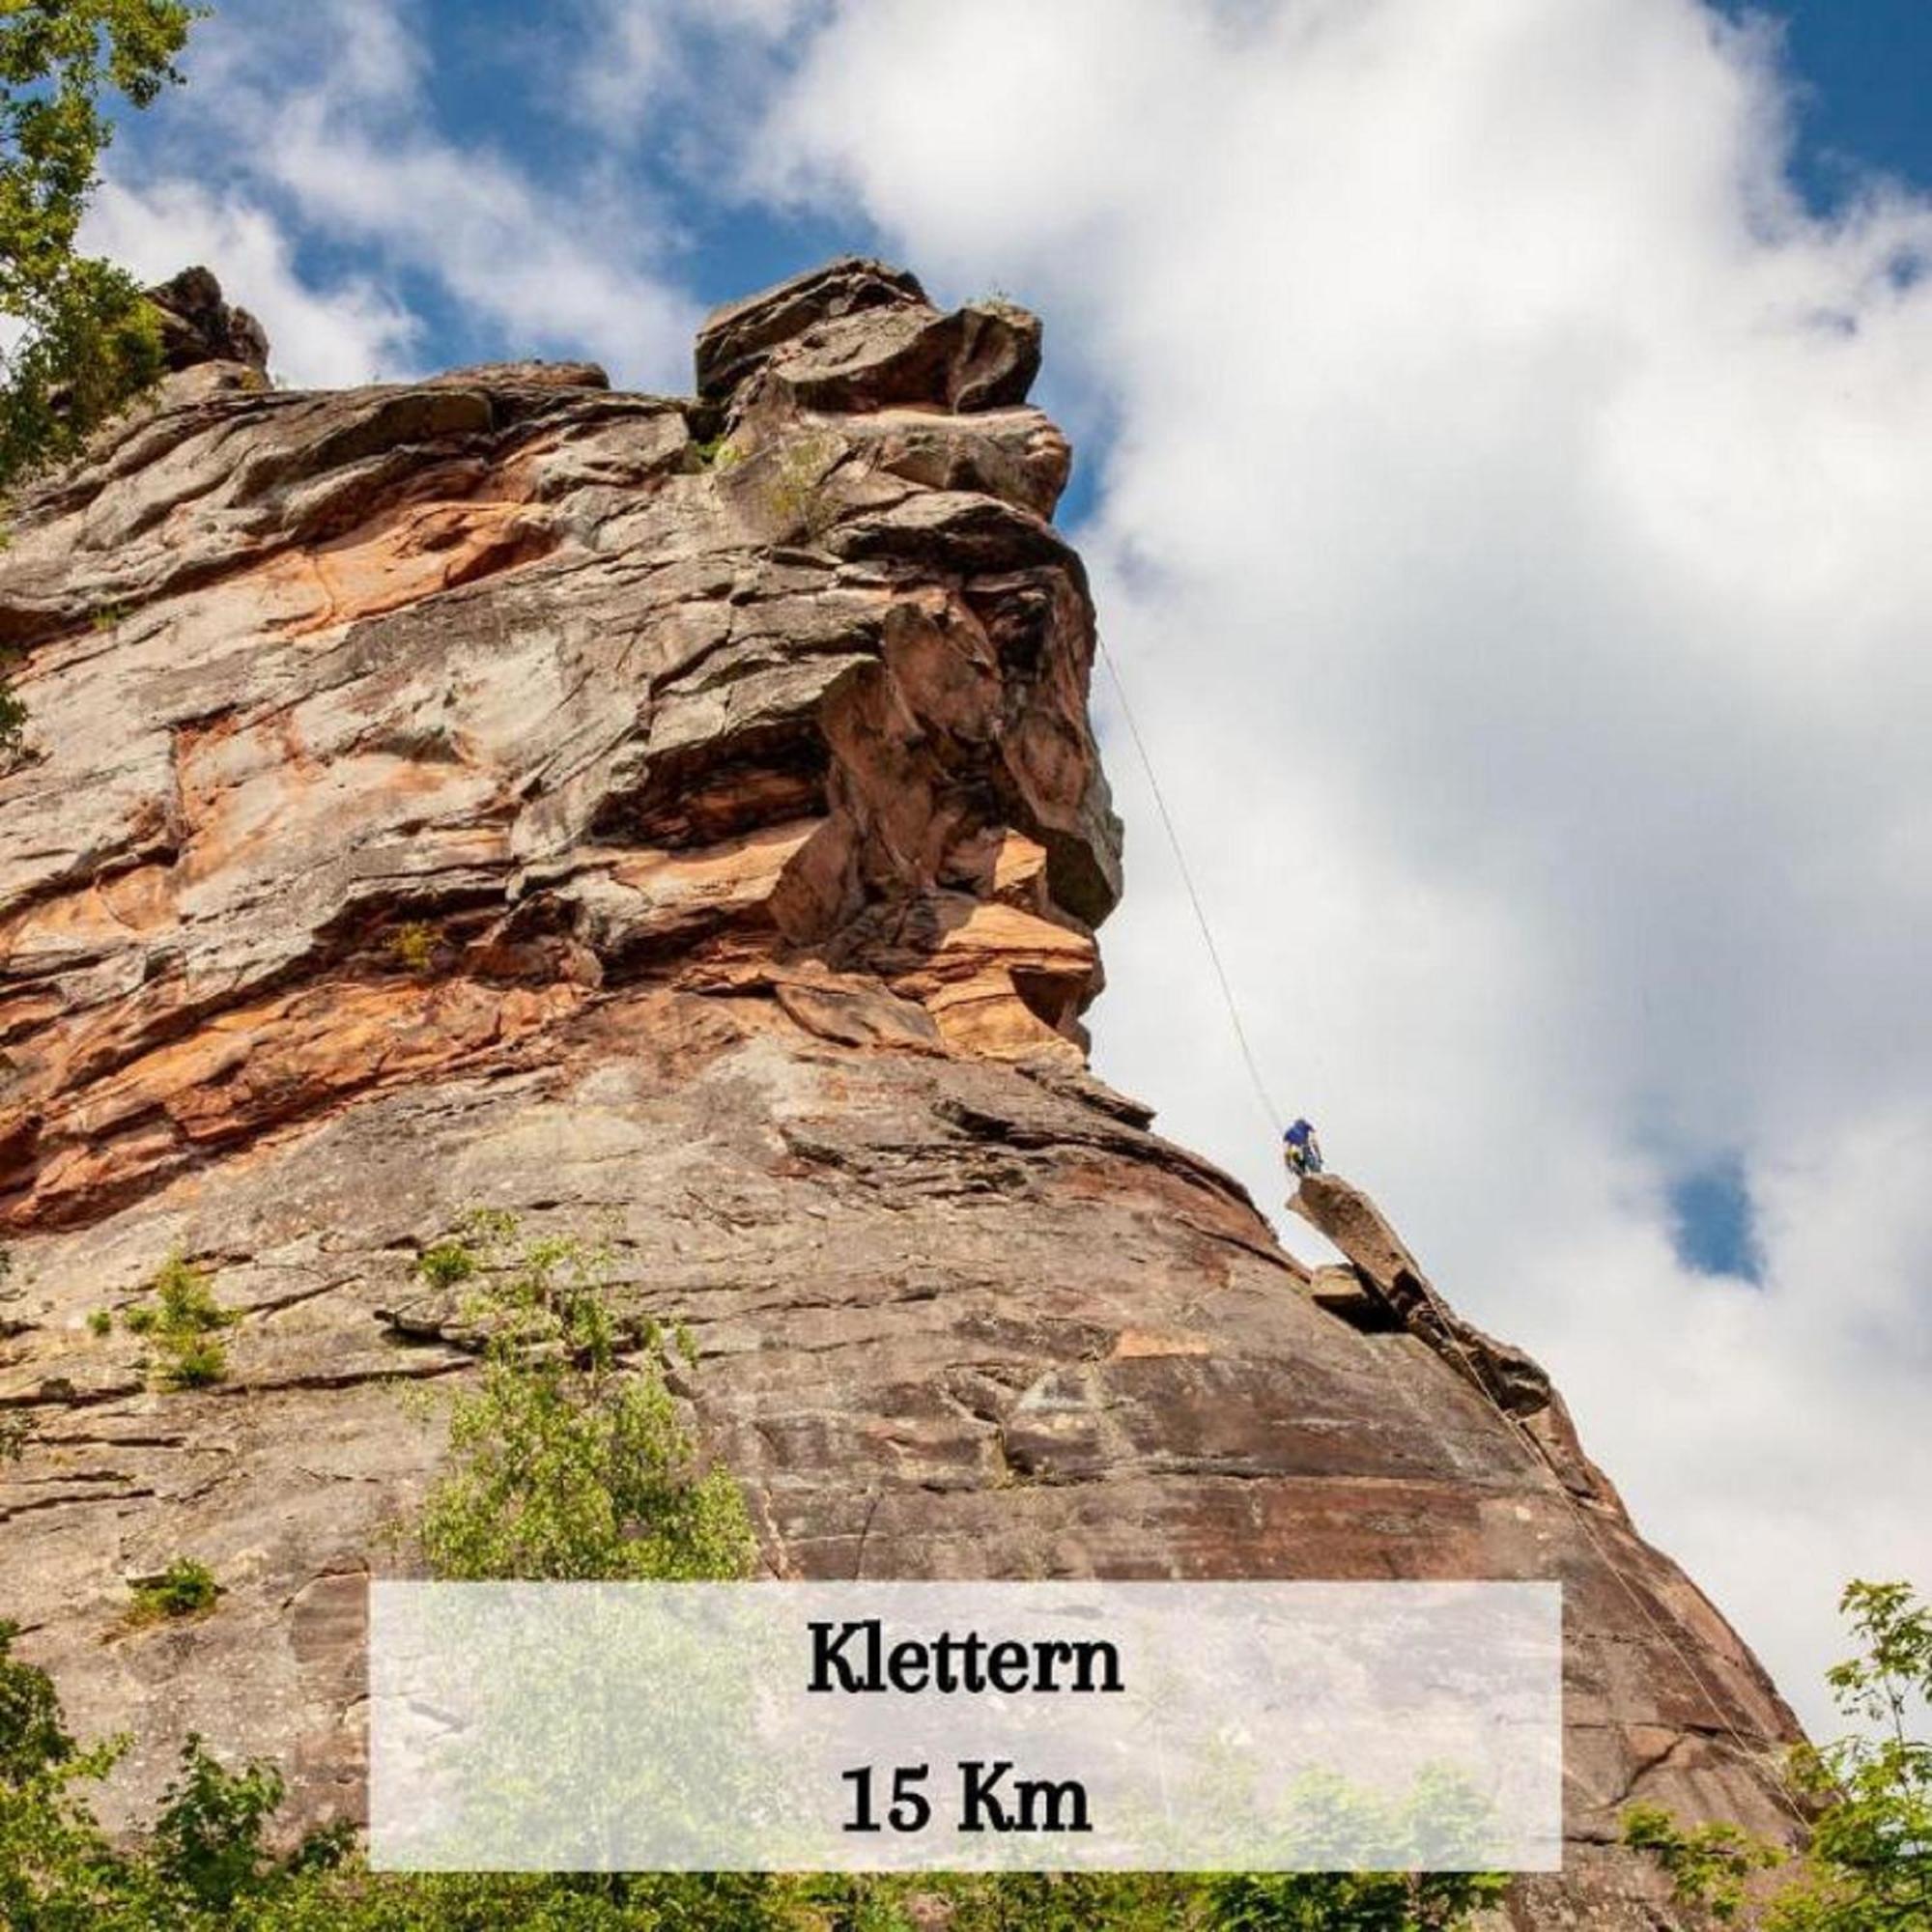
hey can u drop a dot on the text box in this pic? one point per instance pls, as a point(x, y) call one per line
point(966, 1726)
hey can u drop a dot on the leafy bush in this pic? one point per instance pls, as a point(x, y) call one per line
point(1358, 1901)
point(1867, 1866)
point(186, 1588)
point(203, 1864)
point(446, 1263)
point(183, 1320)
point(569, 1459)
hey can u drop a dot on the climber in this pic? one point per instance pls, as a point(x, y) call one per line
point(1302, 1150)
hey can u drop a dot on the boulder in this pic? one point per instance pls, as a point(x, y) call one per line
point(199, 325)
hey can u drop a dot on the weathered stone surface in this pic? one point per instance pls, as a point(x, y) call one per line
point(498, 792)
point(855, 336)
point(737, 339)
point(198, 325)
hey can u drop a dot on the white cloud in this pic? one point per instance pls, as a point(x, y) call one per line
point(322, 110)
point(1513, 533)
point(636, 56)
point(554, 277)
point(324, 338)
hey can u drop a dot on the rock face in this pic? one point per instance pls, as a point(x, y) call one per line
point(677, 821)
point(198, 325)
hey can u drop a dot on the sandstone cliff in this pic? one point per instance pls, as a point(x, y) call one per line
point(675, 819)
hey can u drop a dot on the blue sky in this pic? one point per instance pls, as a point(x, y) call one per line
point(1504, 459)
point(1863, 67)
point(1857, 71)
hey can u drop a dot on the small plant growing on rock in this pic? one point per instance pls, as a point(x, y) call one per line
point(454, 1259)
point(445, 1263)
point(793, 487)
point(185, 1589)
point(183, 1318)
point(717, 453)
point(108, 615)
point(13, 725)
point(99, 1322)
point(413, 947)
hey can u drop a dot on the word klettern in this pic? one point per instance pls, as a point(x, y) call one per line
point(855, 1655)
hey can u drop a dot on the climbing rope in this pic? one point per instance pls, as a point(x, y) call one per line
point(1273, 1114)
point(1746, 1749)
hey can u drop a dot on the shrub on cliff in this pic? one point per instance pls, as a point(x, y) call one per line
point(568, 1461)
point(183, 1320)
point(1867, 1866)
point(186, 1588)
point(203, 1864)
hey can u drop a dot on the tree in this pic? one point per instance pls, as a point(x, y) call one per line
point(568, 1461)
point(87, 340)
point(1867, 1866)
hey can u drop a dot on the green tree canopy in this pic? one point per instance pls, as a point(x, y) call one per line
point(1867, 1866)
point(82, 339)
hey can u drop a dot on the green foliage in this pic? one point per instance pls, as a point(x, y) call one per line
point(183, 1318)
point(1350, 1901)
point(90, 341)
point(13, 724)
point(717, 453)
point(569, 1460)
point(31, 1736)
point(1709, 1865)
point(99, 1322)
point(446, 1263)
point(1868, 1864)
point(203, 1865)
point(186, 1588)
point(413, 947)
point(207, 1841)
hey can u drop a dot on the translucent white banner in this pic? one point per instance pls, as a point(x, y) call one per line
point(966, 1726)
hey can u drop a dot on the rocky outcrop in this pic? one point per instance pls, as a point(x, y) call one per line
point(675, 820)
point(198, 325)
point(1384, 1287)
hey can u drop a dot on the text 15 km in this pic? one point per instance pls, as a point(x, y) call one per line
point(989, 1799)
